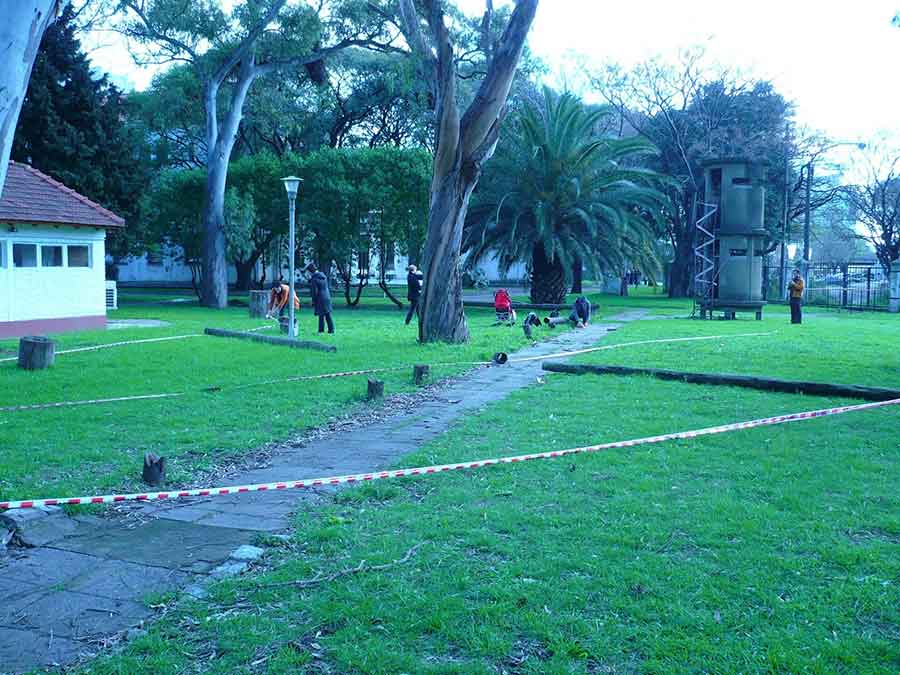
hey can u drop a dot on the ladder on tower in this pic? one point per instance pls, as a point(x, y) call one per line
point(705, 264)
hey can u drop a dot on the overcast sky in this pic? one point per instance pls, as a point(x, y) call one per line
point(837, 60)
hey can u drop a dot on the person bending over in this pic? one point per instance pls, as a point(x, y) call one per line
point(278, 299)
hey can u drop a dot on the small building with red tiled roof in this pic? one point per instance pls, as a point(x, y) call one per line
point(52, 256)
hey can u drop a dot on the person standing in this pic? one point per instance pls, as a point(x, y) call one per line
point(413, 291)
point(795, 290)
point(321, 297)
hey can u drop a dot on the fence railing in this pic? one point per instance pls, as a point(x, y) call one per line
point(848, 285)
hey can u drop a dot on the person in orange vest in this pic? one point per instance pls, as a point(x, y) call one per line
point(278, 299)
point(795, 289)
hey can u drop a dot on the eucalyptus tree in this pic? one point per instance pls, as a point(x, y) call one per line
point(560, 192)
point(464, 140)
point(229, 52)
point(23, 25)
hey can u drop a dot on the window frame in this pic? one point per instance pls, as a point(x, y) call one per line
point(62, 255)
point(88, 250)
point(36, 256)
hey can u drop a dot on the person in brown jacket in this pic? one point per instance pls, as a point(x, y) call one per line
point(795, 289)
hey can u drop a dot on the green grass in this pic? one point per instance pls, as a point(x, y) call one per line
point(767, 550)
point(90, 449)
point(828, 346)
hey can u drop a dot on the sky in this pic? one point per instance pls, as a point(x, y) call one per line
point(836, 60)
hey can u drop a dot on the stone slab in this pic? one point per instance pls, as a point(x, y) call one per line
point(22, 650)
point(164, 543)
point(77, 615)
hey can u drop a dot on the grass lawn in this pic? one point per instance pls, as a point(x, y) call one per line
point(90, 449)
point(767, 550)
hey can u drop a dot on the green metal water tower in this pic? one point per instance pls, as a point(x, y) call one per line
point(730, 238)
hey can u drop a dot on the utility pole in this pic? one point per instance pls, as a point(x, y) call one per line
point(782, 267)
point(807, 214)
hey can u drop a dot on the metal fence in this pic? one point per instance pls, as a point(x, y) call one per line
point(848, 285)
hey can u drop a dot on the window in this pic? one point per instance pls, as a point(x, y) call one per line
point(79, 256)
point(2, 254)
point(737, 252)
point(24, 255)
point(51, 256)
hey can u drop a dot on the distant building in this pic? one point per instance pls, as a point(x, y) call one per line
point(52, 253)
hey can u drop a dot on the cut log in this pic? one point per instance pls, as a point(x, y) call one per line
point(271, 339)
point(375, 389)
point(36, 352)
point(259, 303)
point(751, 382)
point(154, 472)
point(420, 373)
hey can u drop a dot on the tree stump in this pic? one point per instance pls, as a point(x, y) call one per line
point(284, 323)
point(154, 472)
point(375, 389)
point(36, 352)
point(259, 303)
point(420, 372)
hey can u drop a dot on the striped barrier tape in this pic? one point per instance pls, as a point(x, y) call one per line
point(350, 373)
point(438, 468)
point(107, 345)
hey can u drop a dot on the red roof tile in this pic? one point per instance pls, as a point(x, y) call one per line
point(30, 196)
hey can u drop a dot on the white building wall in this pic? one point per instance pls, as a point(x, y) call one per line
point(49, 292)
point(169, 270)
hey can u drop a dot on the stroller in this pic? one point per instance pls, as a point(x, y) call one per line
point(503, 308)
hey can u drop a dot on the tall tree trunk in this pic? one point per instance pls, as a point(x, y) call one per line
point(577, 275)
point(244, 269)
point(441, 309)
point(214, 288)
point(681, 270)
point(548, 278)
point(21, 29)
point(462, 145)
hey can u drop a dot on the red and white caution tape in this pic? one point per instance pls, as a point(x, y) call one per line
point(350, 373)
point(107, 345)
point(438, 468)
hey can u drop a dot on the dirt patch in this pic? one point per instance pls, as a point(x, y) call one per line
point(525, 652)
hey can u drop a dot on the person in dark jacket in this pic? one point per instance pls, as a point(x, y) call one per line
point(321, 297)
point(581, 312)
point(413, 291)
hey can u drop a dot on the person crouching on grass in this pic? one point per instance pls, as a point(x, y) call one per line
point(795, 289)
point(321, 297)
point(278, 299)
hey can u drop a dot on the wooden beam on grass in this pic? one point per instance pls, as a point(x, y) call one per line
point(271, 339)
point(727, 379)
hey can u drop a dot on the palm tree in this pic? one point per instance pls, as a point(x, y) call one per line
point(560, 192)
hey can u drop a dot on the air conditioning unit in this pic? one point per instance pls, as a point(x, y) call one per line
point(112, 296)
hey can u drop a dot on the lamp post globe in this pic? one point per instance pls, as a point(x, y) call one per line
point(292, 187)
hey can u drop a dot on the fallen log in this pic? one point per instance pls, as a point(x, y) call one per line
point(728, 379)
point(271, 339)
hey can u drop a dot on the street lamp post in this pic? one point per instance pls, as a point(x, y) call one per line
point(292, 186)
point(807, 216)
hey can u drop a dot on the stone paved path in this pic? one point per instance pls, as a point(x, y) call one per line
point(89, 576)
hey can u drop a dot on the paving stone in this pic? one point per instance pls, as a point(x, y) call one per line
point(22, 650)
point(74, 615)
point(229, 569)
point(247, 522)
point(119, 580)
point(164, 543)
point(46, 567)
point(247, 552)
point(39, 526)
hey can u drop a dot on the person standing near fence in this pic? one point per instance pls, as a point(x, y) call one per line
point(413, 291)
point(321, 297)
point(795, 291)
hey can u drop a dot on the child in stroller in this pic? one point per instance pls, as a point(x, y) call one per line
point(503, 308)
